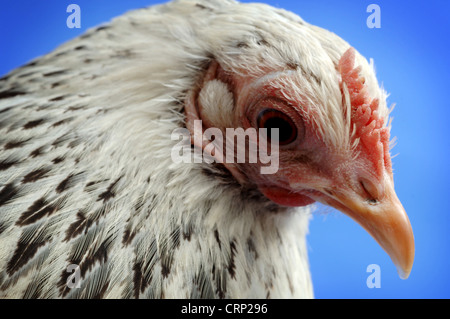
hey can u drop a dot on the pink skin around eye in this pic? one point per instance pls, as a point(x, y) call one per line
point(252, 97)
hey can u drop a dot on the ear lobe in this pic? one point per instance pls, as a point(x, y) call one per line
point(192, 111)
point(216, 105)
point(211, 108)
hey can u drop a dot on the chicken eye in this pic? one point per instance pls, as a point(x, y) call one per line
point(271, 118)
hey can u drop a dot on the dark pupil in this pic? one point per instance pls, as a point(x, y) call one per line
point(275, 119)
point(284, 127)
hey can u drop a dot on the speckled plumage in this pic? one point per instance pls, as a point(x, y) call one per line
point(86, 176)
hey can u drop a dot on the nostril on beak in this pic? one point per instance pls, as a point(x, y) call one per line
point(371, 191)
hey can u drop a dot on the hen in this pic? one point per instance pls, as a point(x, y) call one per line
point(95, 203)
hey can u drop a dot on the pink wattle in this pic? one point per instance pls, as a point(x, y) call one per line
point(286, 197)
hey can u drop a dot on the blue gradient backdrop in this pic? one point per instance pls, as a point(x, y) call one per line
point(410, 52)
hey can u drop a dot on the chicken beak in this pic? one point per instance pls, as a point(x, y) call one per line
point(385, 220)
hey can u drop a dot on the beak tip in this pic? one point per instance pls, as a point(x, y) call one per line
point(405, 263)
point(402, 273)
point(405, 269)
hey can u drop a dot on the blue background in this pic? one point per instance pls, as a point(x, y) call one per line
point(410, 52)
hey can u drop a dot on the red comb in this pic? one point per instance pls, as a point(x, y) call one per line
point(369, 126)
